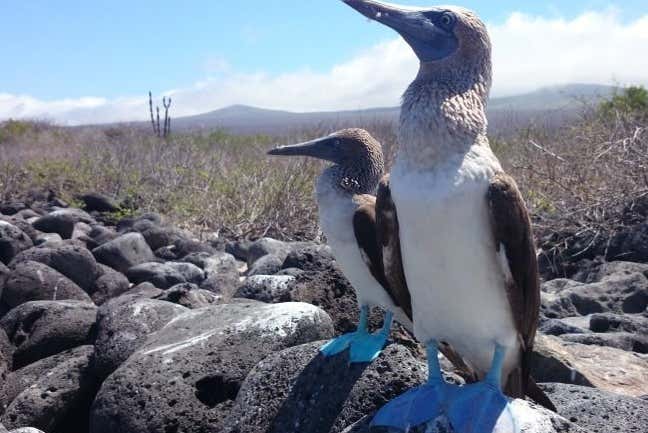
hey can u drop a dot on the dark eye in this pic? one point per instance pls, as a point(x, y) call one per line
point(447, 20)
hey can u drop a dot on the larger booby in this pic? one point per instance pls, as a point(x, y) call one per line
point(466, 240)
point(346, 207)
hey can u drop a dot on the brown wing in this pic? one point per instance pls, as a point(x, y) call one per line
point(514, 238)
point(387, 234)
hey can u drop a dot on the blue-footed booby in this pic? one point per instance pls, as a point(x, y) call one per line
point(465, 235)
point(346, 207)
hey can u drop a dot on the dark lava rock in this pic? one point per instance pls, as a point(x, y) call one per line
point(609, 322)
point(12, 207)
point(161, 236)
point(599, 411)
point(221, 271)
point(620, 340)
point(108, 285)
point(266, 246)
point(239, 249)
point(267, 288)
point(34, 281)
point(73, 261)
point(23, 225)
point(124, 252)
point(101, 234)
point(143, 290)
point(58, 401)
point(19, 380)
point(616, 294)
point(161, 275)
point(187, 375)
point(266, 265)
point(61, 223)
point(190, 296)
point(559, 327)
point(300, 390)
point(6, 358)
point(48, 240)
point(600, 270)
point(310, 257)
point(189, 271)
point(123, 325)
point(184, 247)
point(4, 274)
point(629, 244)
point(12, 241)
point(95, 202)
point(42, 328)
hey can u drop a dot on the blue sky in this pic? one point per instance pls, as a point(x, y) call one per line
point(56, 50)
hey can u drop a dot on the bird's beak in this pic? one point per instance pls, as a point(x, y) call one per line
point(428, 41)
point(407, 22)
point(319, 148)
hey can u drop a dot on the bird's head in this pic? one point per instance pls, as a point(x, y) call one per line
point(357, 154)
point(444, 38)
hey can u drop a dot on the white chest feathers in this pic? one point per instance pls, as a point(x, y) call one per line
point(452, 269)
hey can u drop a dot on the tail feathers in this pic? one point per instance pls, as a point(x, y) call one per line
point(536, 394)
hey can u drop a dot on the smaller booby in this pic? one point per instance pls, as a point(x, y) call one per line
point(347, 217)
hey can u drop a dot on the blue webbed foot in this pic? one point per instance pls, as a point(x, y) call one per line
point(479, 407)
point(365, 347)
point(420, 405)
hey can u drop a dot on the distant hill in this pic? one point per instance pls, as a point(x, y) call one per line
point(549, 105)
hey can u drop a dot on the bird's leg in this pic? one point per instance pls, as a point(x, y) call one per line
point(480, 406)
point(419, 405)
point(365, 347)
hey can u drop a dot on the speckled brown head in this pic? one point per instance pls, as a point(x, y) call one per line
point(357, 156)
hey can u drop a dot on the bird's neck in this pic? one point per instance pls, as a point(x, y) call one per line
point(442, 117)
point(351, 180)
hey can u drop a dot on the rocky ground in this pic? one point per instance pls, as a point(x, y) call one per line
point(136, 327)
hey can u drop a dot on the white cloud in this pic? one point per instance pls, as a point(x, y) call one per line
point(529, 52)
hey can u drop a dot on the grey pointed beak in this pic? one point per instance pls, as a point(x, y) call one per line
point(319, 148)
point(400, 18)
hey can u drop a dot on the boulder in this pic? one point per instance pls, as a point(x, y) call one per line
point(124, 324)
point(629, 244)
point(300, 390)
point(19, 380)
point(57, 401)
point(43, 328)
point(61, 224)
point(6, 358)
point(559, 327)
point(310, 257)
point(160, 236)
point(190, 296)
point(609, 322)
point(221, 271)
point(267, 288)
point(606, 368)
point(124, 252)
point(95, 202)
point(271, 246)
point(161, 275)
point(187, 375)
point(108, 285)
point(101, 234)
point(266, 265)
point(71, 260)
point(12, 207)
point(34, 281)
point(12, 241)
point(190, 272)
point(238, 249)
point(598, 411)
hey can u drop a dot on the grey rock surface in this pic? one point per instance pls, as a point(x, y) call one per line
point(124, 324)
point(124, 252)
point(71, 260)
point(300, 390)
point(190, 296)
point(187, 375)
point(598, 411)
point(161, 275)
point(57, 401)
point(34, 281)
point(40, 329)
point(267, 288)
point(266, 265)
point(12, 241)
point(109, 284)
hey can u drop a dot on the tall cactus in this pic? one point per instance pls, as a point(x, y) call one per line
point(155, 118)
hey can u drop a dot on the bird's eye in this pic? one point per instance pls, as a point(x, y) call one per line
point(447, 20)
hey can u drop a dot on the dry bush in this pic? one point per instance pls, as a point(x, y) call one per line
point(581, 180)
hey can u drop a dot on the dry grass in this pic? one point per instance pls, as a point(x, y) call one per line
point(576, 179)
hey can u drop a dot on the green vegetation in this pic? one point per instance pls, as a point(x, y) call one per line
point(632, 102)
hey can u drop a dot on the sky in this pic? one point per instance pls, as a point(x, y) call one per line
point(92, 62)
